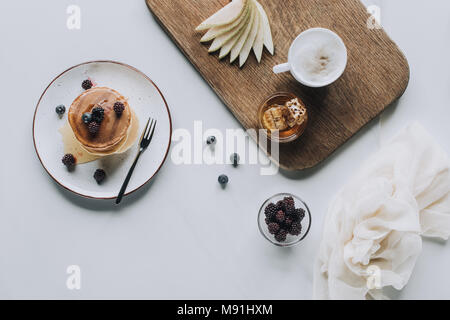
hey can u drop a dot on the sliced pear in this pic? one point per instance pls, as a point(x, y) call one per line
point(245, 52)
point(258, 45)
point(226, 48)
point(237, 28)
point(224, 38)
point(217, 31)
point(268, 41)
point(226, 15)
point(245, 33)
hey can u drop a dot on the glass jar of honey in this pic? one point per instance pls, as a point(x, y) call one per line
point(284, 116)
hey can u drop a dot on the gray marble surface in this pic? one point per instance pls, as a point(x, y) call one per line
point(182, 236)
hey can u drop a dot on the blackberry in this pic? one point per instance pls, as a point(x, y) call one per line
point(301, 213)
point(60, 110)
point(273, 228)
point(289, 208)
point(288, 222)
point(86, 117)
point(234, 158)
point(298, 214)
point(99, 175)
point(86, 84)
point(69, 160)
point(98, 114)
point(296, 228)
point(289, 205)
point(93, 128)
point(281, 235)
point(295, 216)
point(280, 205)
point(288, 200)
point(119, 107)
point(270, 211)
point(267, 220)
point(280, 216)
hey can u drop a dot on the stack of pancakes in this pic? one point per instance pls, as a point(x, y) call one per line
point(114, 130)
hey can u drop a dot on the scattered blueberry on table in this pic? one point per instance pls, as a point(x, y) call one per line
point(60, 110)
point(234, 158)
point(211, 140)
point(223, 179)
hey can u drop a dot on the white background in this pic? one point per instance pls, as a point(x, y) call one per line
point(182, 236)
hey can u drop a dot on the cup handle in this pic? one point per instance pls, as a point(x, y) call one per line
point(281, 68)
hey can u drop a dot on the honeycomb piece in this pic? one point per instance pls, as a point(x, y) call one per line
point(273, 118)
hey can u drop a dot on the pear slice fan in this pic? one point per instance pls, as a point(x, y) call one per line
point(236, 29)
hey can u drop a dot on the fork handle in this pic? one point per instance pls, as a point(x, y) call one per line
point(127, 179)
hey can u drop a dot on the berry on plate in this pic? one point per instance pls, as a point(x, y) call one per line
point(97, 114)
point(86, 84)
point(69, 160)
point(99, 175)
point(93, 128)
point(119, 107)
point(86, 117)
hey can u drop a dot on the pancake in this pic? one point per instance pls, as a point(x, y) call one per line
point(113, 129)
point(73, 146)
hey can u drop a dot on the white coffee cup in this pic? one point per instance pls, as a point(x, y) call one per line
point(316, 58)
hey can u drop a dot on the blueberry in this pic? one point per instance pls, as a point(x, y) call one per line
point(223, 179)
point(234, 158)
point(86, 117)
point(211, 140)
point(60, 110)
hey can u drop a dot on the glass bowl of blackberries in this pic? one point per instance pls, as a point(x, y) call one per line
point(284, 219)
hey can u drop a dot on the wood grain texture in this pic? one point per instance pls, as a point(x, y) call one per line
point(377, 72)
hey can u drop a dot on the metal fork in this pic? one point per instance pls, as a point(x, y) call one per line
point(144, 142)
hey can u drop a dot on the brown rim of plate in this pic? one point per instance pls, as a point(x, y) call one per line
point(124, 65)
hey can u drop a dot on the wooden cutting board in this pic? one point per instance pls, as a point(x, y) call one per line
point(377, 72)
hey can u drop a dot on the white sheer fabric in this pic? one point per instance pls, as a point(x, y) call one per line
point(373, 228)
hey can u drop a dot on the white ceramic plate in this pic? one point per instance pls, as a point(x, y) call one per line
point(144, 98)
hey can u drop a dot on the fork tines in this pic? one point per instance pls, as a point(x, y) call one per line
point(147, 134)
